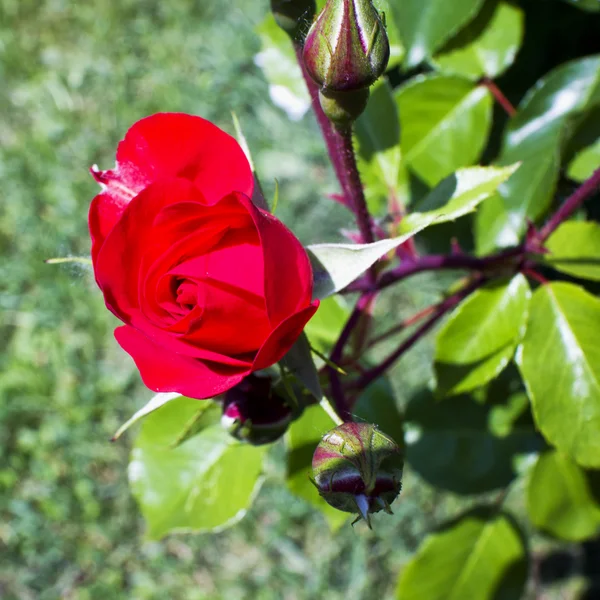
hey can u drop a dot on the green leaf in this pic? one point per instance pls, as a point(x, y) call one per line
point(560, 500)
point(424, 25)
point(153, 404)
point(487, 46)
point(479, 556)
point(337, 265)
point(536, 136)
point(300, 363)
point(452, 379)
point(445, 123)
point(585, 162)
point(206, 483)
point(452, 446)
point(559, 360)
point(589, 5)
point(397, 51)
point(378, 153)
point(458, 195)
point(325, 327)
point(301, 439)
point(480, 337)
point(278, 61)
point(377, 405)
point(575, 249)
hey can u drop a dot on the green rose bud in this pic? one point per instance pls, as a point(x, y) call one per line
point(347, 47)
point(294, 16)
point(358, 469)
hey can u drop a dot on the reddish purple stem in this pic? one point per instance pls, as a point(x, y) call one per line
point(448, 304)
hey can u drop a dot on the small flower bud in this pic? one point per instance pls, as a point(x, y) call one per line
point(358, 469)
point(347, 47)
point(293, 16)
point(254, 412)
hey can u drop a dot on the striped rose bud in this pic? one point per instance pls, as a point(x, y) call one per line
point(347, 47)
point(358, 469)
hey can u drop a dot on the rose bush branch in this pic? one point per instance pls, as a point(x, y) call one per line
point(444, 307)
point(337, 392)
point(570, 205)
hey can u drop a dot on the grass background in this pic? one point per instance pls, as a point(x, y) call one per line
point(73, 77)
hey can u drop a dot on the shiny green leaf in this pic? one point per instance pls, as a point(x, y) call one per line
point(458, 194)
point(560, 500)
point(445, 123)
point(585, 163)
point(378, 151)
point(451, 445)
point(424, 25)
point(480, 556)
point(490, 318)
point(536, 136)
point(278, 61)
point(153, 404)
point(559, 360)
point(204, 484)
point(301, 440)
point(480, 337)
point(487, 46)
point(337, 265)
point(575, 249)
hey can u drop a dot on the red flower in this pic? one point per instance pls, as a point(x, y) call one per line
point(210, 287)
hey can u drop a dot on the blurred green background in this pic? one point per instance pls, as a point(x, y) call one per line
point(73, 78)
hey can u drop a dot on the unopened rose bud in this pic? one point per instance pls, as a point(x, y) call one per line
point(347, 47)
point(254, 412)
point(293, 16)
point(358, 469)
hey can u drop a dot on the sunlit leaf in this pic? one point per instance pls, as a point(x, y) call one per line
point(480, 555)
point(480, 337)
point(382, 170)
point(560, 500)
point(153, 404)
point(337, 265)
point(537, 135)
point(559, 360)
point(575, 249)
point(204, 484)
point(424, 25)
point(487, 46)
point(585, 162)
point(301, 440)
point(445, 123)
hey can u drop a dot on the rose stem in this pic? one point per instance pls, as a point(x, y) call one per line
point(501, 99)
point(337, 390)
point(570, 205)
point(445, 306)
point(327, 130)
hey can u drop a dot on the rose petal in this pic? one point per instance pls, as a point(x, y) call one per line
point(165, 371)
point(168, 145)
point(283, 338)
point(287, 269)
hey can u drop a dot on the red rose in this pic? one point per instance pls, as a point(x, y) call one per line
point(210, 287)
